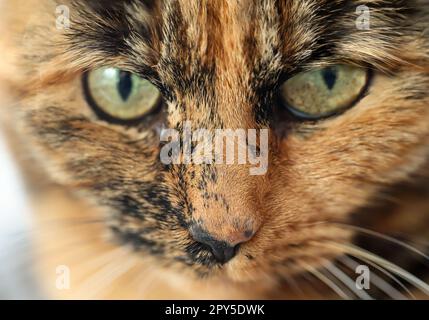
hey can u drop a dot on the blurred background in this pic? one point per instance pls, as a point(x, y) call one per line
point(16, 280)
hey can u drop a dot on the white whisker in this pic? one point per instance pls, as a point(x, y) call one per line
point(325, 280)
point(105, 276)
point(379, 282)
point(385, 237)
point(348, 282)
point(359, 252)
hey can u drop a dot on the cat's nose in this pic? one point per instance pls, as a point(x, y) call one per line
point(222, 250)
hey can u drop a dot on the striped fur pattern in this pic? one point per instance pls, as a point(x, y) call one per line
point(218, 64)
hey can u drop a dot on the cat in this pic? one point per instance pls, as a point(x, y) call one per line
point(341, 87)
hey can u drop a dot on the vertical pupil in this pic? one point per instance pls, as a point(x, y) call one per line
point(125, 85)
point(330, 77)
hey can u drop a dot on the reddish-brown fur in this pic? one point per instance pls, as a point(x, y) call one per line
point(216, 59)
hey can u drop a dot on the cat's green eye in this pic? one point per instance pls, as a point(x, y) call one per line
point(120, 96)
point(324, 92)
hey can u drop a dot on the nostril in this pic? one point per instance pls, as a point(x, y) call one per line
point(248, 234)
point(222, 251)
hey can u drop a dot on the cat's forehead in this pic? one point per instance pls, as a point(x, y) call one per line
point(194, 32)
point(254, 38)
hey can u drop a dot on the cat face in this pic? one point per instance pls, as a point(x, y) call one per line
point(223, 65)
